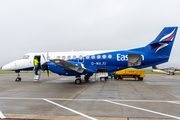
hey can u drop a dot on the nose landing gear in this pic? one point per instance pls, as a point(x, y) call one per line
point(18, 78)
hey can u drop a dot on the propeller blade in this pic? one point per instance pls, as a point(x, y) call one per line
point(46, 68)
point(48, 72)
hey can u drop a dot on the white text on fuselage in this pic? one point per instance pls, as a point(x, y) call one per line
point(98, 63)
point(125, 57)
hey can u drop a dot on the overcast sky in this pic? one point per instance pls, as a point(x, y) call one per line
point(64, 25)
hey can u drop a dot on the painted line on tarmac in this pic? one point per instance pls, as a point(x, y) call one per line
point(171, 116)
point(70, 109)
point(2, 116)
point(115, 100)
point(175, 102)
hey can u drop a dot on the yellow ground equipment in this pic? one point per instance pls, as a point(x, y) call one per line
point(130, 73)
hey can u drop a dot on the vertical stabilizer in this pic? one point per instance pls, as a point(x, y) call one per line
point(163, 43)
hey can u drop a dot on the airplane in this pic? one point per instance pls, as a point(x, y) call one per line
point(166, 70)
point(77, 63)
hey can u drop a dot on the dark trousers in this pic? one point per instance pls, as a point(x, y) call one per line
point(36, 70)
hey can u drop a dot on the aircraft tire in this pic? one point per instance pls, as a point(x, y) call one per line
point(78, 81)
point(18, 79)
point(86, 78)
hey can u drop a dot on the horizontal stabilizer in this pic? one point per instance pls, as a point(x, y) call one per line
point(161, 42)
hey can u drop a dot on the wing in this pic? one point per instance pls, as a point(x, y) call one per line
point(78, 67)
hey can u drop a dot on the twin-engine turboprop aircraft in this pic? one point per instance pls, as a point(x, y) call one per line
point(89, 62)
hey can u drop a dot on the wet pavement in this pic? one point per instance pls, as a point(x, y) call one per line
point(57, 97)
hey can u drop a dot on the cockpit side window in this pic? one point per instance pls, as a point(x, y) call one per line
point(25, 57)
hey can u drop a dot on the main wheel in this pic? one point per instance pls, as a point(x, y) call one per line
point(78, 81)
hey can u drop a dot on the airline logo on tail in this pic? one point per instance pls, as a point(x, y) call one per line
point(168, 37)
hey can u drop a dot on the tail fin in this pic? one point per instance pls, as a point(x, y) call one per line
point(163, 43)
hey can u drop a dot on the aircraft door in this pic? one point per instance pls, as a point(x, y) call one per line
point(39, 60)
point(81, 58)
point(134, 60)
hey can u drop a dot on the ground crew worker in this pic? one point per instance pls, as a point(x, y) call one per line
point(36, 65)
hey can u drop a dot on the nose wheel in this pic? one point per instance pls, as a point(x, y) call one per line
point(18, 78)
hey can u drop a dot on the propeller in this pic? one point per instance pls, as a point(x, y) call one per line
point(46, 67)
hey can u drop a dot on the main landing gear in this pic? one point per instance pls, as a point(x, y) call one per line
point(86, 78)
point(18, 79)
point(78, 80)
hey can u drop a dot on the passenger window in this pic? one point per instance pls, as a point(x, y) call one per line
point(109, 56)
point(93, 56)
point(74, 57)
point(99, 56)
point(80, 57)
point(69, 57)
point(87, 56)
point(104, 56)
point(63, 57)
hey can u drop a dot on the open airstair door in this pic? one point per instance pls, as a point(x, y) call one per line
point(39, 76)
point(39, 60)
point(134, 60)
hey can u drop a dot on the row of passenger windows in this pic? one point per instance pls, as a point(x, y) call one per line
point(87, 57)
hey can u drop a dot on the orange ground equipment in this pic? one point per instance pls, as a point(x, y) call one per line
point(130, 73)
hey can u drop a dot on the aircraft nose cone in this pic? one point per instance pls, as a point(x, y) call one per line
point(9, 66)
point(5, 67)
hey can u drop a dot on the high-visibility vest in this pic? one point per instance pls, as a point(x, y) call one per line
point(36, 62)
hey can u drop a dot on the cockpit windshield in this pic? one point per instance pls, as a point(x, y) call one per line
point(25, 57)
